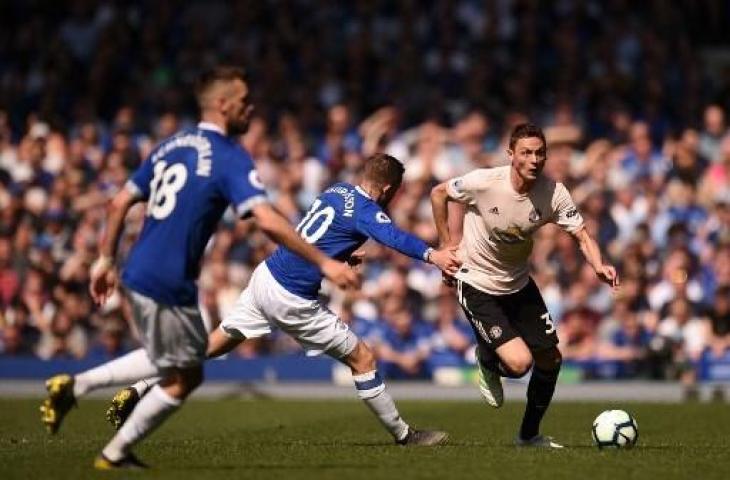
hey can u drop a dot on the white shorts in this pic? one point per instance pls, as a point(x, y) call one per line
point(265, 303)
point(174, 336)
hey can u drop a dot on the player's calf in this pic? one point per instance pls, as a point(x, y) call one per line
point(152, 410)
point(540, 391)
point(371, 390)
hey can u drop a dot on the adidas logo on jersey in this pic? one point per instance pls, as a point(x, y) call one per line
point(494, 210)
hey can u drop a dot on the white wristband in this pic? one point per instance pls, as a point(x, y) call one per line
point(427, 254)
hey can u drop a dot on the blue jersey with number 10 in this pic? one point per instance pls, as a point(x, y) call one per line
point(339, 221)
point(188, 181)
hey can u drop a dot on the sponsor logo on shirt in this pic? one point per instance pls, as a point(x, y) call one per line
point(571, 213)
point(494, 210)
point(510, 236)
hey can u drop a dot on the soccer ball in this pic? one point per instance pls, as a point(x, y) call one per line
point(615, 428)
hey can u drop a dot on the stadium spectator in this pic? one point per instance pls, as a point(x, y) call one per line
point(625, 346)
point(451, 341)
point(403, 343)
point(688, 337)
point(711, 136)
point(645, 152)
point(719, 315)
point(578, 334)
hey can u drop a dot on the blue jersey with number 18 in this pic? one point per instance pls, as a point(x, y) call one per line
point(188, 181)
point(339, 221)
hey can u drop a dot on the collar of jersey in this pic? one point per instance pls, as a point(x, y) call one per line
point(211, 126)
point(362, 192)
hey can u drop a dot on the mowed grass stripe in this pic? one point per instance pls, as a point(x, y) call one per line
point(341, 440)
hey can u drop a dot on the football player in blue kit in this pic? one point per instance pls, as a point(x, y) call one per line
point(188, 182)
point(284, 289)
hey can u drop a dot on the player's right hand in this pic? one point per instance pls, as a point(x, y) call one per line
point(447, 259)
point(356, 258)
point(103, 280)
point(341, 275)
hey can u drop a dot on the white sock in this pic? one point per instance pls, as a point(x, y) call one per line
point(121, 371)
point(149, 413)
point(145, 384)
point(371, 390)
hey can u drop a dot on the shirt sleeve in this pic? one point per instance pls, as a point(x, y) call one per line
point(140, 181)
point(241, 184)
point(463, 189)
point(375, 223)
point(566, 214)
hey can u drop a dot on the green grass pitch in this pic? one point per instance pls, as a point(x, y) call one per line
point(341, 440)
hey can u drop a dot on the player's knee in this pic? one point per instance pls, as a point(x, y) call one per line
point(518, 365)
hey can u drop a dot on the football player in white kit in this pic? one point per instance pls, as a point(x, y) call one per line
point(504, 206)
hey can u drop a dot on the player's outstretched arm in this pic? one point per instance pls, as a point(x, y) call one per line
point(592, 253)
point(103, 274)
point(375, 224)
point(276, 226)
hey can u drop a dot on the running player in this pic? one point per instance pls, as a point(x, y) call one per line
point(283, 292)
point(514, 331)
point(187, 182)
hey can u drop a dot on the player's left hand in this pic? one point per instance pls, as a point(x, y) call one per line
point(607, 273)
point(103, 280)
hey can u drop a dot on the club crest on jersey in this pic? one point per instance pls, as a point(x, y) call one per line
point(381, 217)
point(495, 332)
point(253, 178)
point(494, 211)
point(535, 215)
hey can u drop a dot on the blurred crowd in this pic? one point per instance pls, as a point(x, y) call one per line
point(635, 119)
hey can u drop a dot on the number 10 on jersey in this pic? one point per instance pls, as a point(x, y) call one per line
point(306, 227)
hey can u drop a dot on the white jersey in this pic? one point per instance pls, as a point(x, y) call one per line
point(499, 225)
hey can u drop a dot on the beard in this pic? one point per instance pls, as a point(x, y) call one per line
point(238, 127)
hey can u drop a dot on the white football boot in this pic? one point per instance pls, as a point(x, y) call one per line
point(490, 385)
point(538, 441)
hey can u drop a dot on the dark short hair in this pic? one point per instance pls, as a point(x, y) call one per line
point(525, 130)
point(384, 169)
point(221, 73)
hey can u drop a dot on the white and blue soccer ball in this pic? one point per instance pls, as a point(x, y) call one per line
point(615, 429)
